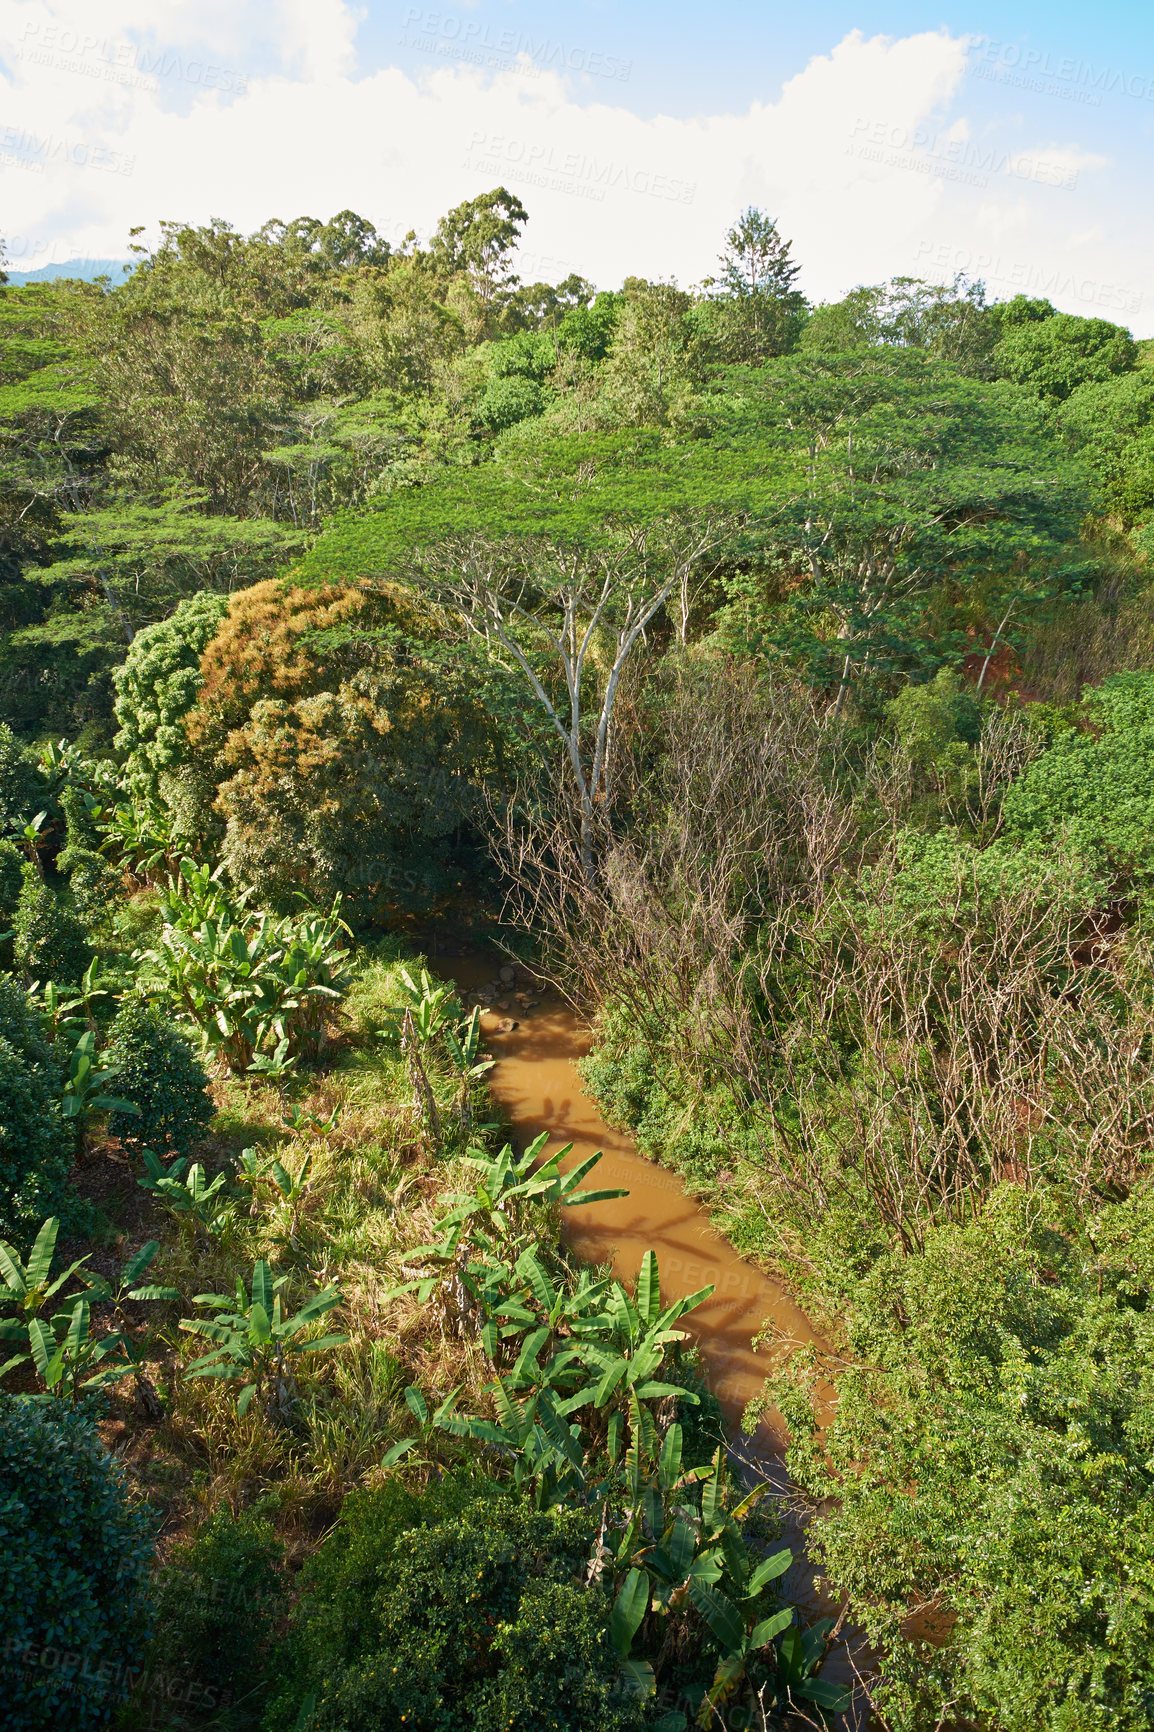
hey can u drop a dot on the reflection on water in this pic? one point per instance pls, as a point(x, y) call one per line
point(535, 1082)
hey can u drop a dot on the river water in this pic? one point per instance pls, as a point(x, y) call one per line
point(536, 1084)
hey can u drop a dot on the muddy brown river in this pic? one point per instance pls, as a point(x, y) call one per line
point(536, 1084)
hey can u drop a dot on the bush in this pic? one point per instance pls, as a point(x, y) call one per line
point(49, 941)
point(74, 1557)
point(23, 792)
point(457, 1608)
point(344, 741)
point(157, 686)
point(161, 1075)
point(223, 1581)
point(35, 1155)
point(93, 881)
point(12, 864)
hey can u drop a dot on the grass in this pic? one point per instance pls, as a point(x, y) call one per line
point(373, 1190)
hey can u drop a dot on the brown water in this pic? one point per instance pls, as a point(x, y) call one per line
point(535, 1082)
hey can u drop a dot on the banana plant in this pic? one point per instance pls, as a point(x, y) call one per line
point(142, 836)
point(623, 1346)
point(186, 1194)
point(254, 1341)
point(416, 1023)
point(277, 1065)
point(83, 1094)
point(491, 1224)
point(32, 840)
point(288, 1191)
point(463, 1044)
point(28, 1286)
point(248, 981)
point(300, 1118)
point(61, 1015)
point(67, 1354)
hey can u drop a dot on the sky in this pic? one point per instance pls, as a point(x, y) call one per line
point(1010, 142)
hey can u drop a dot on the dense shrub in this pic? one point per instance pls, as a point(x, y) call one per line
point(35, 1155)
point(992, 1455)
point(11, 881)
point(161, 1075)
point(226, 1578)
point(49, 941)
point(343, 741)
point(23, 791)
point(74, 1558)
point(457, 1608)
point(157, 686)
point(1094, 788)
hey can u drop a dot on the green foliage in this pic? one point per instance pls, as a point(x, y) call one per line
point(69, 1355)
point(255, 1342)
point(157, 686)
point(74, 1557)
point(990, 1454)
point(187, 1194)
point(84, 1092)
point(161, 1075)
point(218, 1599)
point(49, 940)
point(1112, 421)
point(460, 1607)
point(22, 790)
point(35, 1147)
point(1056, 354)
point(11, 881)
point(246, 980)
point(1093, 791)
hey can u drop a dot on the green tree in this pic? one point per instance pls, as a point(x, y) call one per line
point(916, 507)
point(1054, 355)
point(477, 237)
point(757, 311)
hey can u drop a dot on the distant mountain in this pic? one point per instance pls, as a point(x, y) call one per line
point(86, 269)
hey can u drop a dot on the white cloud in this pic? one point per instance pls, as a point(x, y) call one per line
point(254, 108)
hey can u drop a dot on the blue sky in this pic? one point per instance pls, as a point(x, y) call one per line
point(1011, 142)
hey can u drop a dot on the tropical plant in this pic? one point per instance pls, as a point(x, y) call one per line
point(186, 1194)
point(492, 1223)
point(83, 1094)
point(433, 1010)
point(68, 1356)
point(255, 1341)
point(248, 981)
